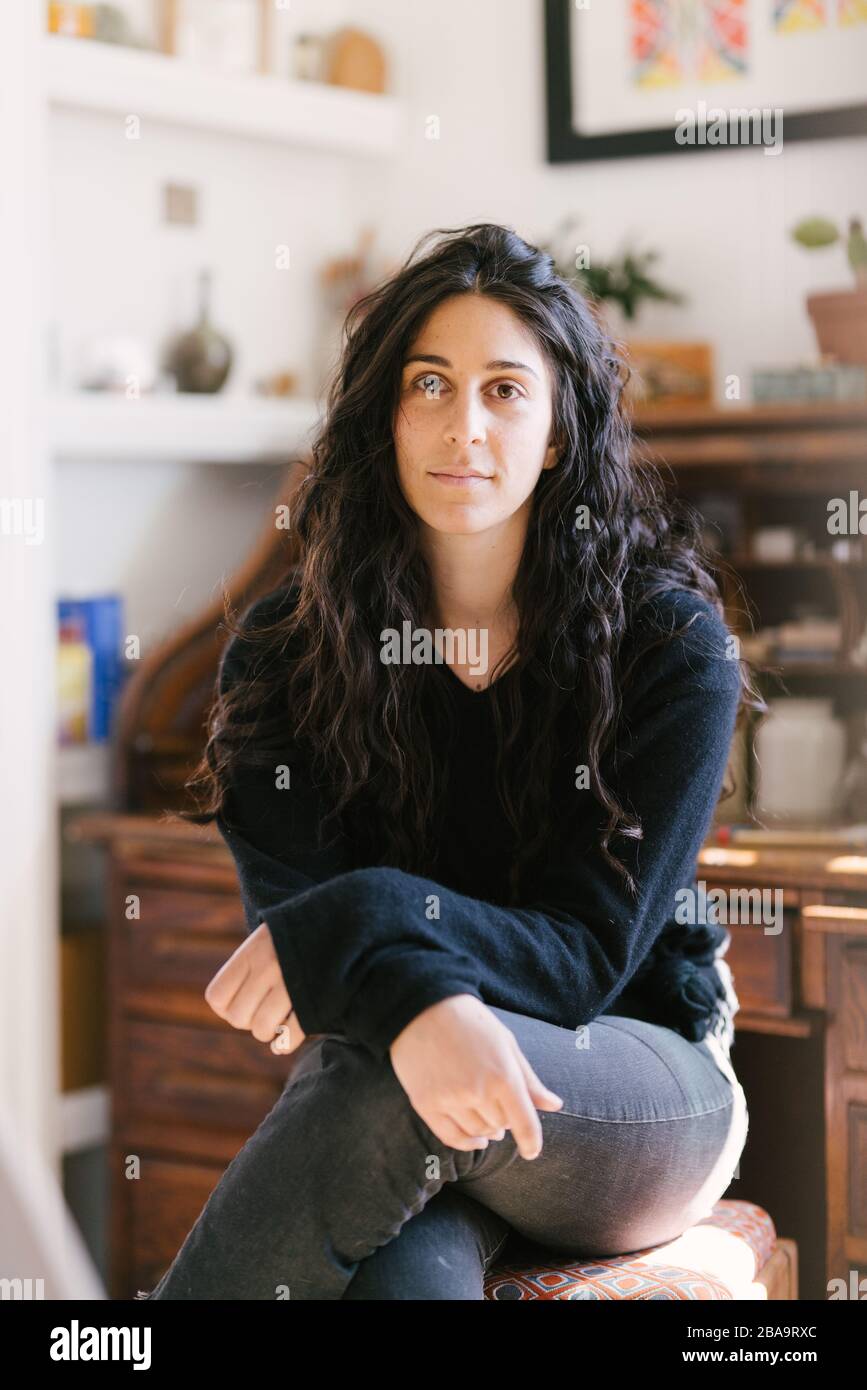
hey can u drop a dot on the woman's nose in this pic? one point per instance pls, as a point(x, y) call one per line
point(465, 424)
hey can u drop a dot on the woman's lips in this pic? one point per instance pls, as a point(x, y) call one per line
point(460, 479)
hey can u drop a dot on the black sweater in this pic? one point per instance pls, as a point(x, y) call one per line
point(363, 948)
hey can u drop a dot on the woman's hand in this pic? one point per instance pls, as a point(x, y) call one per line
point(467, 1078)
point(249, 992)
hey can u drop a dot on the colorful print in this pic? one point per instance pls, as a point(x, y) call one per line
point(677, 41)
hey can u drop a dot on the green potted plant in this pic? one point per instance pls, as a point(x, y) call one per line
point(839, 316)
point(664, 373)
point(626, 280)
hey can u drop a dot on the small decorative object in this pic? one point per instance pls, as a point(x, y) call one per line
point(775, 543)
point(112, 25)
point(847, 550)
point(354, 59)
point(839, 316)
point(308, 57)
point(94, 680)
point(180, 204)
point(119, 363)
point(345, 280)
point(74, 681)
point(800, 751)
point(824, 381)
point(73, 21)
point(201, 360)
point(815, 232)
point(105, 23)
point(229, 36)
point(668, 375)
point(807, 639)
point(279, 384)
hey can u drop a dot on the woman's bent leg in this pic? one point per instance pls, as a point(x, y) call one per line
point(647, 1140)
point(443, 1252)
point(335, 1170)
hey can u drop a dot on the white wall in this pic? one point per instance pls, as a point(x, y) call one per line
point(721, 219)
point(29, 1021)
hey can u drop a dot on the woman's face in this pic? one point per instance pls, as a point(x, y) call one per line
point(476, 396)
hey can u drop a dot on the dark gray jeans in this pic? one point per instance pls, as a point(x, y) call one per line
point(344, 1192)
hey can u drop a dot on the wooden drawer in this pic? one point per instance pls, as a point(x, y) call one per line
point(762, 966)
point(189, 1076)
point(154, 1213)
point(181, 939)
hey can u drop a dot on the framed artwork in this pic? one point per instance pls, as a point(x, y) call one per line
point(229, 36)
point(618, 72)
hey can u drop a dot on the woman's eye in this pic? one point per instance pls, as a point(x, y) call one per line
point(430, 384)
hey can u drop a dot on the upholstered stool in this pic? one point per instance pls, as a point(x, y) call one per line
point(732, 1254)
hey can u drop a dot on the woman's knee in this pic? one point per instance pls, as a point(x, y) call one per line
point(375, 1116)
point(366, 1109)
point(440, 1253)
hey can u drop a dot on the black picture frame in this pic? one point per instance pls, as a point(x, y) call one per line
point(567, 146)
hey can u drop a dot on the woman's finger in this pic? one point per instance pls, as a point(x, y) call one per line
point(541, 1095)
point(482, 1120)
point(448, 1131)
point(291, 1036)
point(238, 988)
point(271, 1012)
point(221, 990)
point(253, 990)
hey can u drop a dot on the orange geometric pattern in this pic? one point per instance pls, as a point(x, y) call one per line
point(716, 1260)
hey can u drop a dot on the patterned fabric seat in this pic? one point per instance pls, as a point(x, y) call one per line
point(732, 1254)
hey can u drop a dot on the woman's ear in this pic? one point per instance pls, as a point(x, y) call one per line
point(552, 455)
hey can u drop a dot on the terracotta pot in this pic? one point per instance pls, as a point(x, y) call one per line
point(840, 321)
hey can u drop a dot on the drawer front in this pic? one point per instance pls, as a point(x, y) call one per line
point(762, 966)
point(181, 938)
point(156, 1211)
point(214, 1077)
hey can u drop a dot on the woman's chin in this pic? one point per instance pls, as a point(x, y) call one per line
point(461, 519)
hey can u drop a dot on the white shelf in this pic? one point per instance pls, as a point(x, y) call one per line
point(90, 76)
point(184, 428)
point(83, 773)
point(84, 1118)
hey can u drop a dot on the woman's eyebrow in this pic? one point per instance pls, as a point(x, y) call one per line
point(499, 363)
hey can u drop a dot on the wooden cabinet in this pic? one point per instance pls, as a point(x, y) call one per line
point(187, 1089)
point(806, 984)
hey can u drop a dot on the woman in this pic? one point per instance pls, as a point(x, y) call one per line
point(513, 1016)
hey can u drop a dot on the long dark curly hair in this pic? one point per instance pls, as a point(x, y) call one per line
point(361, 570)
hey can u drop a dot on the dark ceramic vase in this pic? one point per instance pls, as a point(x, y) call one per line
point(201, 359)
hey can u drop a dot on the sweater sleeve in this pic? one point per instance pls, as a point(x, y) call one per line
point(365, 951)
point(269, 822)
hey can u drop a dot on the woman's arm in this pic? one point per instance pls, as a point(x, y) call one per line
point(270, 830)
point(364, 951)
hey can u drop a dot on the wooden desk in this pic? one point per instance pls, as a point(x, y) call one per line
point(808, 1104)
